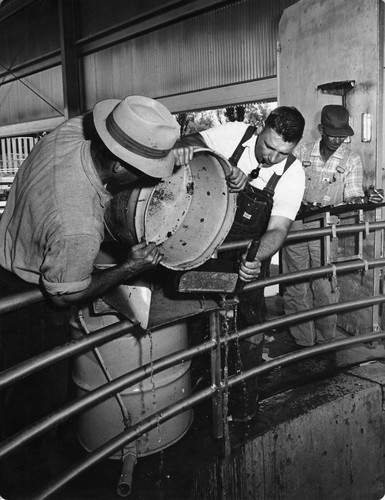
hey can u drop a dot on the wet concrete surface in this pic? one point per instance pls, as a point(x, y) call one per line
point(167, 475)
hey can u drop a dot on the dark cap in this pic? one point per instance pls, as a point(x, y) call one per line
point(335, 121)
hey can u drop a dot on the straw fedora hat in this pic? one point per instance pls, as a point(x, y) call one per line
point(140, 131)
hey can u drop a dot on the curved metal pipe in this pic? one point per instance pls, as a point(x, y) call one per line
point(103, 392)
point(22, 299)
point(306, 352)
point(125, 437)
point(316, 272)
point(78, 346)
point(107, 390)
point(303, 316)
point(326, 231)
point(16, 301)
point(309, 234)
point(125, 480)
point(149, 423)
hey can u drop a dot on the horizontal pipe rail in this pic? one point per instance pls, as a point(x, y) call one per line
point(305, 353)
point(78, 346)
point(121, 439)
point(317, 272)
point(22, 299)
point(103, 392)
point(12, 375)
point(311, 234)
point(109, 333)
point(73, 348)
point(131, 434)
point(117, 385)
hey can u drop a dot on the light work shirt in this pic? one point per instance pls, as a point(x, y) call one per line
point(52, 226)
point(289, 190)
point(336, 180)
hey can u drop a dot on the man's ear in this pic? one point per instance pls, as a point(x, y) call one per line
point(320, 129)
point(260, 128)
point(118, 168)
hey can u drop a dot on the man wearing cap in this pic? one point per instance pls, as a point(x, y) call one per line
point(52, 226)
point(333, 175)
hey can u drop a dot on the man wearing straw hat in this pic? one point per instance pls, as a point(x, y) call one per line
point(52, 226)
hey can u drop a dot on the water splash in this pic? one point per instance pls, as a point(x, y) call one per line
point(225, 397)
point(153, 386)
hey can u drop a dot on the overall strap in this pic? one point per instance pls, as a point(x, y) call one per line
point(273, 181)
point(307, 156)
point(234, 158)
point(344, 161)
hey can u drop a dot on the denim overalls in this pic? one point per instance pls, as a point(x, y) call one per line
point(251, 220)
point(321, 189)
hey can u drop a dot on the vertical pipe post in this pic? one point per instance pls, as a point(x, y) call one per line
point(9, 155)
point(216, 373)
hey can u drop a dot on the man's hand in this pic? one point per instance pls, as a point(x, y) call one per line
point(249, 270)
point(142, 257)
point(236, 180)
point(355, 200)
point(183, 155)
point(375, 195)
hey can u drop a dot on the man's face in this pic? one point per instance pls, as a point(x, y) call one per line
point(332, 143)
point(271, 149)
point(123, 174)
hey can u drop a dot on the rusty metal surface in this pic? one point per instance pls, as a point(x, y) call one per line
point(207, 282)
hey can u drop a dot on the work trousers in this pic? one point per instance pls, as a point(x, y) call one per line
point(306, 295)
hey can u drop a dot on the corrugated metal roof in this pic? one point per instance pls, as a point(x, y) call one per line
point(233, 44)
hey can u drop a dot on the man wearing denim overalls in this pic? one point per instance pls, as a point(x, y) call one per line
point(270, 183)
point(333, 176)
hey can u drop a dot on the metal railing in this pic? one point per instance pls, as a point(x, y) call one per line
point(14, 150)
point(213, 345)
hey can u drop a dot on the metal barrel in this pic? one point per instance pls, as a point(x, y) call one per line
point(101, 423)
point(189, 213)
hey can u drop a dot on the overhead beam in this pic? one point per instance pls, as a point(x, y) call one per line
point(70, 63)
point(32, 127)
point(124, 31)
point(11, 8)
point(258, 90)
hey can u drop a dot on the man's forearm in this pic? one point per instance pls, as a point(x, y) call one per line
point(271, 243)
point(102, 280)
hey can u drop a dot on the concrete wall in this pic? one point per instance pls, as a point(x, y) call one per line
point(321, 441)
point(330, 41)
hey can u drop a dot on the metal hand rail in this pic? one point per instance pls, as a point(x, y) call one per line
point(76, 347)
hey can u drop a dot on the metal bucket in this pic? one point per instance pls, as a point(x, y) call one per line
point(104, 421)
point(189, 214)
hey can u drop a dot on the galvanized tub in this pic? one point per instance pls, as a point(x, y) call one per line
point(104, 421)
